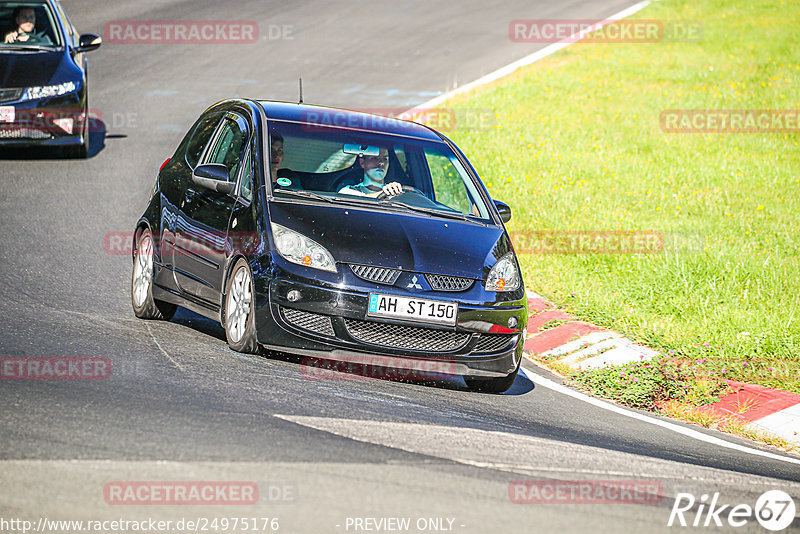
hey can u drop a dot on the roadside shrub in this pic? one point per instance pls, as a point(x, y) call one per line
point(645, 384)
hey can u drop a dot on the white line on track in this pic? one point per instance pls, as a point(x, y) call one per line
point(688, 432)
point(524, 62)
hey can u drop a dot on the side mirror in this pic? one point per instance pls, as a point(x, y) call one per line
point(213, 176)
point(504, 210)
point(88, 42)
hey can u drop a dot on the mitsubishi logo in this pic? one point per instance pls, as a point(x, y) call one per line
point(413, 284)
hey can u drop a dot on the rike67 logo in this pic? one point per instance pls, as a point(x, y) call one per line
point(774, 510)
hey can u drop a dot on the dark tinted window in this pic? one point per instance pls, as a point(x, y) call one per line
point(247, 178)
point(200, 137)
point(229, 145)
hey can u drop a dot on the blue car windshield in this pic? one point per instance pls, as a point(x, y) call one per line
point(28, 25)
point(355, 165)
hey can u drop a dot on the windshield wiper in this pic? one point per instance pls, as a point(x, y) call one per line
point(355, 199)
point(439, 213)
point(368, 202)
point(14, 46)
point(303, 193)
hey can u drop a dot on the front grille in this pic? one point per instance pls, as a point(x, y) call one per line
point(10, 95)
point(312, 322)
point(439, 282)
point(489, 343)
point(16, 132)
point(405, 337)
point(379, 275)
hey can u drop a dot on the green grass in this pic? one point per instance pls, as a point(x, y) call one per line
point(647, 384)
point(576, 145)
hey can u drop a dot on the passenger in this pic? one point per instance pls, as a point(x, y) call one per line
point(25, 19)
point(275, 160)
point(276, 155)
point(372, 185)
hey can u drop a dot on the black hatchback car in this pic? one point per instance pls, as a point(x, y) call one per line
point(337, 235)
point(43, 96)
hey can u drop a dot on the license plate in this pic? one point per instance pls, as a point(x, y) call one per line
point(7, 113)
point(412, 309)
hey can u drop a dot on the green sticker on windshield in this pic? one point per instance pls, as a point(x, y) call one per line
point(284, 182)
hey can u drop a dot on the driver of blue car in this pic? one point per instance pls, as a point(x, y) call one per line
point(25, 19)
point(372, 185)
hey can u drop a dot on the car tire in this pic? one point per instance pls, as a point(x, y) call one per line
point(239, 310)
point(491, 385)
point(144, 305)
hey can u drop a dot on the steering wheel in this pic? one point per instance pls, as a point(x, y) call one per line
point(406, 189)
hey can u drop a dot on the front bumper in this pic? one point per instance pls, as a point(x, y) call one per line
point(331, 323)
point(59, 121)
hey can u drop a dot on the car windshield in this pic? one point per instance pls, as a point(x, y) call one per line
point(352, 166)
point(29, 25)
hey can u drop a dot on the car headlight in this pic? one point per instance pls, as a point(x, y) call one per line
point(297, 248)
point(504, 276)
point(46, 91)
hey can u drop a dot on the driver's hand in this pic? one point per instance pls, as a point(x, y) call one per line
point(11, 37)
point(394, 188)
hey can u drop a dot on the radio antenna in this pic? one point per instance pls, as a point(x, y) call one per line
point(301, 91)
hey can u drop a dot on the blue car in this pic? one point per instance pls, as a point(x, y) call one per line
point(43, 95)
point(337, 235)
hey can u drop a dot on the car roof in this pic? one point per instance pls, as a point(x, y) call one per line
point(345, 118)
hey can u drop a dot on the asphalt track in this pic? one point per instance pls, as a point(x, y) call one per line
point(179, 405)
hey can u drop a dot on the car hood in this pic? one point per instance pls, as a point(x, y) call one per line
point(29, 69)
point(397, 240)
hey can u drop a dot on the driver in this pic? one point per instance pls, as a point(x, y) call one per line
point(375, 169)
point(25, 19)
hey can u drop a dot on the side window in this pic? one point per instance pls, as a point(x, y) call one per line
point(200, 136)
point(247, 178)
point(68, 27)
point(400, 152)
point(447, 183)
point(229, 145)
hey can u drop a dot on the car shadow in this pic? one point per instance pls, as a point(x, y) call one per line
point(195, 321)
point(521, 385)
point(325, 369)
point(97, 142)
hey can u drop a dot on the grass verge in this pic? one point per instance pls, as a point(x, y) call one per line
point(576, 146)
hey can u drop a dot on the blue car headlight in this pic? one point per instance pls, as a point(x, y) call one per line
point(504, 276)
point(46, 91)
point(297, 248)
